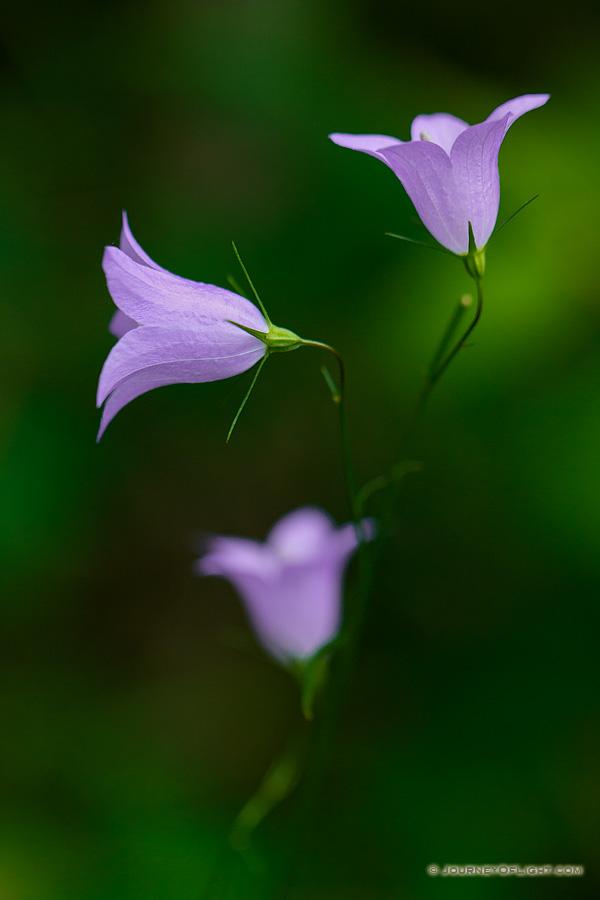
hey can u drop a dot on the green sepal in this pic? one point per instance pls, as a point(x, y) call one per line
point(409, 240)
point(515, 213)
point(278, 340)
point(247, 395)
point(261, 335)
point(474, 260)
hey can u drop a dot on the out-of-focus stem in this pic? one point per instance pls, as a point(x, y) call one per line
point(340, 399)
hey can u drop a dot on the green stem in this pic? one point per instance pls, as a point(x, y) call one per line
point(462, 306)
point(440, 362)
point(439, 371)
point(355, 608)
point(369, 557)
point(279, 781)
point(437, 368)
point(340, 399)
point(238, 861)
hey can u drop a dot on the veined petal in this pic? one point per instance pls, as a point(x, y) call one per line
point(440, 128)
point(475, 165)
point(120, 324)
point(130, 246)
point(215, 353)
point(368, 143)
point(154, 356)
point(426, 172)
point(518, 107)
point(155, 297)
point(123, 395)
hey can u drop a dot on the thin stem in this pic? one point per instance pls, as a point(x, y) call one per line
point(437, 374)
point(340, 399)
point(457, 317)
point(437, 367)
point(399, 471)
point(279, 781)
point(237, 858)
point(368, 559)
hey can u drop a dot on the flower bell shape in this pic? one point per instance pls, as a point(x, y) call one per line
point(449, 169)
point(174, 330)
point(290, 584)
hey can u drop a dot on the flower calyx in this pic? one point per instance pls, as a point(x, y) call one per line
point(474, 260)
point(277, 340)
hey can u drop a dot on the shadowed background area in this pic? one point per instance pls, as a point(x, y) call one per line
point(138, 713)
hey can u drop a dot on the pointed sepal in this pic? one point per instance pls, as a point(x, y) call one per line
point(474, 260)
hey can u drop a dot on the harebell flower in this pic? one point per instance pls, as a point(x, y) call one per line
point(174, 330)
point(449, 170)
point(290, 584)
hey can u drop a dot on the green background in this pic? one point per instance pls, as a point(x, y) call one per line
point(138, 713)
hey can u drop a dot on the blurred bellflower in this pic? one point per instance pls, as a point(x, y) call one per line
point(449, 170)
point(290, 584)
point(174, 330)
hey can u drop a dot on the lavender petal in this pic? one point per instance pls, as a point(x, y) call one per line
point(157, 297)
point(440, 128)
point(130, 246)
point(477, 180)
point(517, 107)
point(120, 324)
point(426, 172)
point(368, 143)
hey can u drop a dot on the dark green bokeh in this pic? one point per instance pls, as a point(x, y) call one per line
point(138, 712)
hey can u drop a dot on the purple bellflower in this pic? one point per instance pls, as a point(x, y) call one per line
point(291, 585)
point(174, 330)
point(449, 169)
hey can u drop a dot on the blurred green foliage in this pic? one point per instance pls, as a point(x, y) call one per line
point(138, 714)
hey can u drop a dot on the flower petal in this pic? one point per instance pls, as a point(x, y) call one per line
point(368, 143)
point(235, 557)
point(153, 356)
point(120, 324)
point(302, 535)
point(425, 171)
point(475, 165)
point(441, 128)
point(155, 297)
point(130, 246)
point(218, 352)
point(291, 585)
point(518, 107)
point(298, 612)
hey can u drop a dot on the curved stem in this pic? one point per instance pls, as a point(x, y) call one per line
point(340, 399)
point(368, 559)
point(279, 781)
point(435, 372)
point(435, 377)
